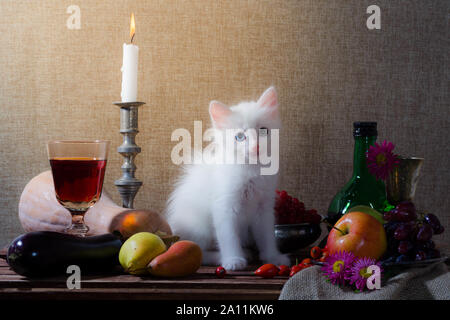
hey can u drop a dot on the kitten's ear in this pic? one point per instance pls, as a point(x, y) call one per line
point(219, 113)
point(269, 99)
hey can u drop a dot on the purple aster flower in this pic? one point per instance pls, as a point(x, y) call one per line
point(381, 160)
point(337, 266)
point(359, 274)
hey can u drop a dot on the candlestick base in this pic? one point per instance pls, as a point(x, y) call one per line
point(128, 185)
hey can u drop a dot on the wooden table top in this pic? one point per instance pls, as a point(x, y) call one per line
point(204, 285)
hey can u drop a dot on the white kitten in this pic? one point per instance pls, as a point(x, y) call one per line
point(227, 207)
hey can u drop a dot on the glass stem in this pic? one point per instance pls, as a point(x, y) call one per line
point(78, 226)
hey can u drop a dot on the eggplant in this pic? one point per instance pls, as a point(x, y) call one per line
point(47, 253)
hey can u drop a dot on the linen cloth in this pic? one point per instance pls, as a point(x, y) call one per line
point(430, 282)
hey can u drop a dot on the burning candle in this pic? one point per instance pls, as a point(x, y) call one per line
point(130, 67)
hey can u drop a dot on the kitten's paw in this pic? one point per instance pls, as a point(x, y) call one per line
point(234, 263)
point(277, 259)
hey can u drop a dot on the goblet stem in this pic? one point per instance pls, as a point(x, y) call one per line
point(78, 227)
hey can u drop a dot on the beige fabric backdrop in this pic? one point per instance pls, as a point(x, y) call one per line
point(330, 70)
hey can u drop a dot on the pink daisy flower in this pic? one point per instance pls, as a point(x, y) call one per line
point(337, 267)
point(381, 160)
point(358, 272)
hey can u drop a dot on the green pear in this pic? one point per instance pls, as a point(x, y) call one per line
point(137, 252)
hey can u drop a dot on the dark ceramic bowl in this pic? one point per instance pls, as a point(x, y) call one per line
point(292, 237)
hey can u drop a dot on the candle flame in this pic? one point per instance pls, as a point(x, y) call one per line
point(132, 27)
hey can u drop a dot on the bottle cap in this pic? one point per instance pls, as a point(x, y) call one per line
point(364, 129)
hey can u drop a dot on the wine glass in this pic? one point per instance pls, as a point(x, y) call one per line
point(78, 169)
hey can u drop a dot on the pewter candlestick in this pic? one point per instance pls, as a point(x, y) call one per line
point(128, 185)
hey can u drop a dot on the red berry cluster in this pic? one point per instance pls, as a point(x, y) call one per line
point(289, 210)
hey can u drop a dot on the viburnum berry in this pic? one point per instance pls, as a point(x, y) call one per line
point(284, 270)
point(296, 269)
point(220, 272)
point(290, 210)
point(316, 252)
point(306, 261)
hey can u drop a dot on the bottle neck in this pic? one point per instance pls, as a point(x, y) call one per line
point(362, 145)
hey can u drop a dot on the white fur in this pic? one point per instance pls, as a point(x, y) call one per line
point(226, 208)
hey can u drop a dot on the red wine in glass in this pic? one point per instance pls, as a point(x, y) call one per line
point(78, 181)
point(78, 169)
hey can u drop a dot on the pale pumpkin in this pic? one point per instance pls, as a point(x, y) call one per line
point(39, 210)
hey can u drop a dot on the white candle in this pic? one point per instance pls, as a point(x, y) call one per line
point(130, 68)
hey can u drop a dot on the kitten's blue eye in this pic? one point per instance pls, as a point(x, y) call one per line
point(263, 131)
point(240, 136)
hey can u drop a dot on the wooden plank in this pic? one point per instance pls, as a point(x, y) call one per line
point(128, 280)
point(202, 273)
point(205, 287)
point(204, 281)
point(140, 294)
point(115, 284)
point(131, 280)
point(172, 292)
point(203, 270)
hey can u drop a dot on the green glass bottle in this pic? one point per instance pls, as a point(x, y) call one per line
point(363, 188)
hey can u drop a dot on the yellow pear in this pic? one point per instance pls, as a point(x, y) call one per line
point(137, 252)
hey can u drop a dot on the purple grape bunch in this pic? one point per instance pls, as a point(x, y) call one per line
point(410, 236)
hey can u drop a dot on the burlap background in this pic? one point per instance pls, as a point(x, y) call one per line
point(330, 70)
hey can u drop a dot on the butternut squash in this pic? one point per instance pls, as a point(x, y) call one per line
point(40, 211)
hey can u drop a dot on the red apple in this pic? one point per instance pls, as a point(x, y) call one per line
point(360, 233)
